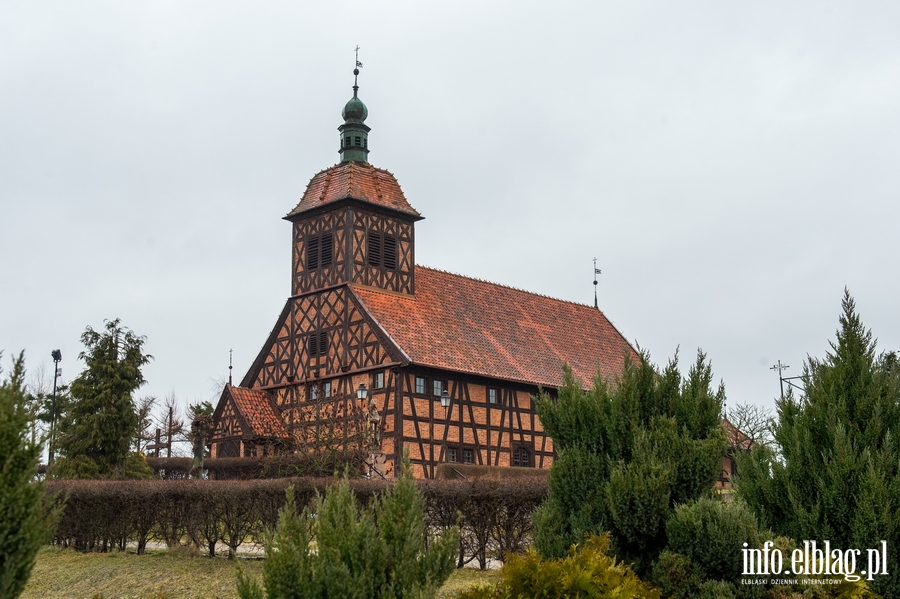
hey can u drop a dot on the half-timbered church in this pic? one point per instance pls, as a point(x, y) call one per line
point(375, 352)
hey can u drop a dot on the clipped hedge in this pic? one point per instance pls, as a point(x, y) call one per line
point(494, 514)
point(465, 471)
point(277, 466)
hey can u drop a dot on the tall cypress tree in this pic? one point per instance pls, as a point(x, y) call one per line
point(101, 420)
point(26, 519)
point(629, 451)
point(835, 474)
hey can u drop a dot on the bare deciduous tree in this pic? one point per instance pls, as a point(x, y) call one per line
point(145, 434)
point(754, 421)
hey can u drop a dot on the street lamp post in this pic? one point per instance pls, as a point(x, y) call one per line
point(57, 358)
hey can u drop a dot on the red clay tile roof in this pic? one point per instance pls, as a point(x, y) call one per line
point(736, 437)
point(357, 180)
point(463, 324)
point(254, 406)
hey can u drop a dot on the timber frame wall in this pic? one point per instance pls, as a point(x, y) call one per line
point(351, 228)
point(490, 431)
point(480, 432)
point(325, 344)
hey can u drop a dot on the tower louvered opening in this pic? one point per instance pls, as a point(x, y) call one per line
point(317, 344)
point(390, 252)
point(374, 249)
point(326, 249)
point(312, 254)
point(319, 251)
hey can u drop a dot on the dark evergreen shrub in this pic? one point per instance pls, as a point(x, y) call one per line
point(344, 552)
point(716, 589)
point(835, 473)
point(676, 575)
point(630, 450)
point(711, 532)
point(26, 515)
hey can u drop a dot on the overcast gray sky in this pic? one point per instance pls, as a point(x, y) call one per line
point(733, 166)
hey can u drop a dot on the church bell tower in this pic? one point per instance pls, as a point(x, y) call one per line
point(353, 223)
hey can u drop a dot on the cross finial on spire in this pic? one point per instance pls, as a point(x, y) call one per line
point(596, 272)
point(779, 367)
point(354, 132)
point(229, 365)
point(356, 72)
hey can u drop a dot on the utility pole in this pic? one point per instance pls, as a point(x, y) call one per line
point(57, 358)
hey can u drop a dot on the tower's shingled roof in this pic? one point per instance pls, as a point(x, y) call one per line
point(356, 180)
point(463, 324)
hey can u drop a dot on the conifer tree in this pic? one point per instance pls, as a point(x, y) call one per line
point(26, 519)
point(629, 450)
point(835, 472)
point(101, 420)
point(375, 553)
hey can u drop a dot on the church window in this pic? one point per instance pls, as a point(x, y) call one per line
point(358, 141)
point(420, 385)
point(378, 382)
point(521, 457)
point(493, 395)
point(460, 454)
point(348, 141)
point(229, 449)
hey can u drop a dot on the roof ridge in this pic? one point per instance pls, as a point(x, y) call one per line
point(351, 163)
point(376, 183)
point(352, 192)
point(534, 293)
point(325, 185)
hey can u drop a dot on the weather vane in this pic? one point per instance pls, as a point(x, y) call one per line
point(358, 67)
point(596, 272)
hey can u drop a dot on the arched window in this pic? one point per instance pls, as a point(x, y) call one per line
point(522, 457)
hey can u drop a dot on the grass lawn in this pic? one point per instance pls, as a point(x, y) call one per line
point(63, 574)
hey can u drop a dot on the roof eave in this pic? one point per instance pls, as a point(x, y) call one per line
point(296, 215)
